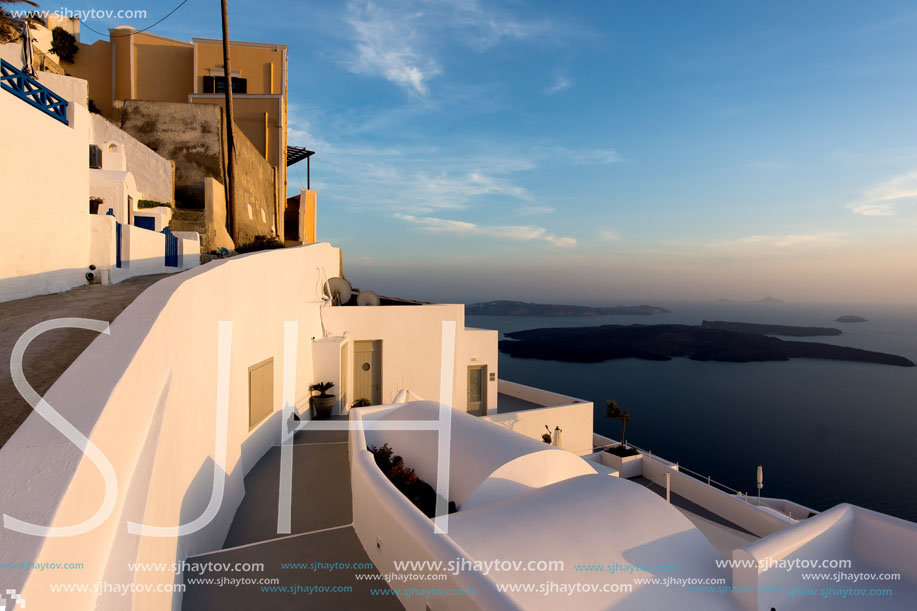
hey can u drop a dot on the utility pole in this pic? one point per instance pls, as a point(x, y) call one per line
point(230, 145)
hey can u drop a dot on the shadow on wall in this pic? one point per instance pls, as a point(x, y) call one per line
point(30, 285)
point(60, 280)
point(127, 547)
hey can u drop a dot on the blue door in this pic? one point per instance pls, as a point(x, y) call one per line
point(171, 248)
point(117, 239)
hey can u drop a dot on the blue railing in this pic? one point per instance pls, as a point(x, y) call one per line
point(28, 89)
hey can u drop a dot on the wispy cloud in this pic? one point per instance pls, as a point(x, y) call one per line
point(389, 45)
point(780, 241)
point(508, 232)
point(400, 41)
point(536, 209)
point(560, 83)
point(608, 234)
point(589, 156)
point(883, 199)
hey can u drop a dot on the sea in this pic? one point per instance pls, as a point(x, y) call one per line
point(825, 432)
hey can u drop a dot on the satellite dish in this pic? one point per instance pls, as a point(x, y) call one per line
point(367, 298)
point(340, 290)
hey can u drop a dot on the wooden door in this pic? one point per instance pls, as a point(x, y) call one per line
point(367, 371)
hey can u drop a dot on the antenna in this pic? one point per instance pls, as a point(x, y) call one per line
point(340, 290)
point(367, 298)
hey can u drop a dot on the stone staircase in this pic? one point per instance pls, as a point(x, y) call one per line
point(190, 219)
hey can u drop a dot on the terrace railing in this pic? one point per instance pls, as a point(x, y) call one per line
point(705, 479)
point(32, 92)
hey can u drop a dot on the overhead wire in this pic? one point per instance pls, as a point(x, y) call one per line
point(132, 32)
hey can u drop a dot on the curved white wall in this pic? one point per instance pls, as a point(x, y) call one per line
point(527, 473)
point(146, 396)
point(477, 449)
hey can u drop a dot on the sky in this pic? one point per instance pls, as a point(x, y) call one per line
point(599, 152)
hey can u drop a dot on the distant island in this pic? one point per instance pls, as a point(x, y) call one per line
point(764, 300)
point(850, 319)
point(521, 308)
point(785, 330)
point(662, 342)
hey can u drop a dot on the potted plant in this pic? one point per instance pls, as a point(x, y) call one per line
point(546, 437)
point(627, 461)
point(323, 403)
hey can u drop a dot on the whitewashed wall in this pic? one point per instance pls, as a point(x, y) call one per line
point(391, 528)
point(113, 187)
point(45, 195)
point(152, 173)
point(412, 346)
point(146, 394)
point(573, 416)
point(103, 242)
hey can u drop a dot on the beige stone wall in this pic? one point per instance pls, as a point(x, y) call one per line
point(190, 135)
point(163, 70)
point(255, 192)
point(93, 63)
point(261, 66)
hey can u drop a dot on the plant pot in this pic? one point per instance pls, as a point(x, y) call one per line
point(629, 466)
point(322, 406)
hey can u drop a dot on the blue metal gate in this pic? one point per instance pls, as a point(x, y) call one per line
point(171, 248)
point(117, 239)
point(146, 222)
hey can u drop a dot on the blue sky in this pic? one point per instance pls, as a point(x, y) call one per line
point(601, 151)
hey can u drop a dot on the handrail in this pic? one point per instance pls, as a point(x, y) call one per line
point(742, 496)
point(31, 91)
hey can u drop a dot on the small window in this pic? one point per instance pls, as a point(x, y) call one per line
point(260, 392)
point(217, 84)
point(95, 157)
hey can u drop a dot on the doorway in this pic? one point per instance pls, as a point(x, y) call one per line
point(477, 390)
point(367, 371)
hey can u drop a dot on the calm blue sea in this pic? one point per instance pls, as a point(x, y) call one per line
point(826, 432)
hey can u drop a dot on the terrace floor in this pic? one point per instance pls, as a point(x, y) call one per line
point(508, 403)
point(322, 534)
point(723, 534)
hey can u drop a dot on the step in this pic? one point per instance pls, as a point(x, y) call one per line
point(199, 227)
point(187, 214)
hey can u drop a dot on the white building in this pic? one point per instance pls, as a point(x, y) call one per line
point(188, 414)
point(52, 236)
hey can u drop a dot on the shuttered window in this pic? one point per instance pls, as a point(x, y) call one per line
point(260, 392)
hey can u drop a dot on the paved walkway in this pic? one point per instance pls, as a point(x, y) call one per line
point(723, 534)
point(52, 352)
point(322, 516)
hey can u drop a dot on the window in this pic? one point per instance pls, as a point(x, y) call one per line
point(95, 157)
point(260, 392)
point(217, 84)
